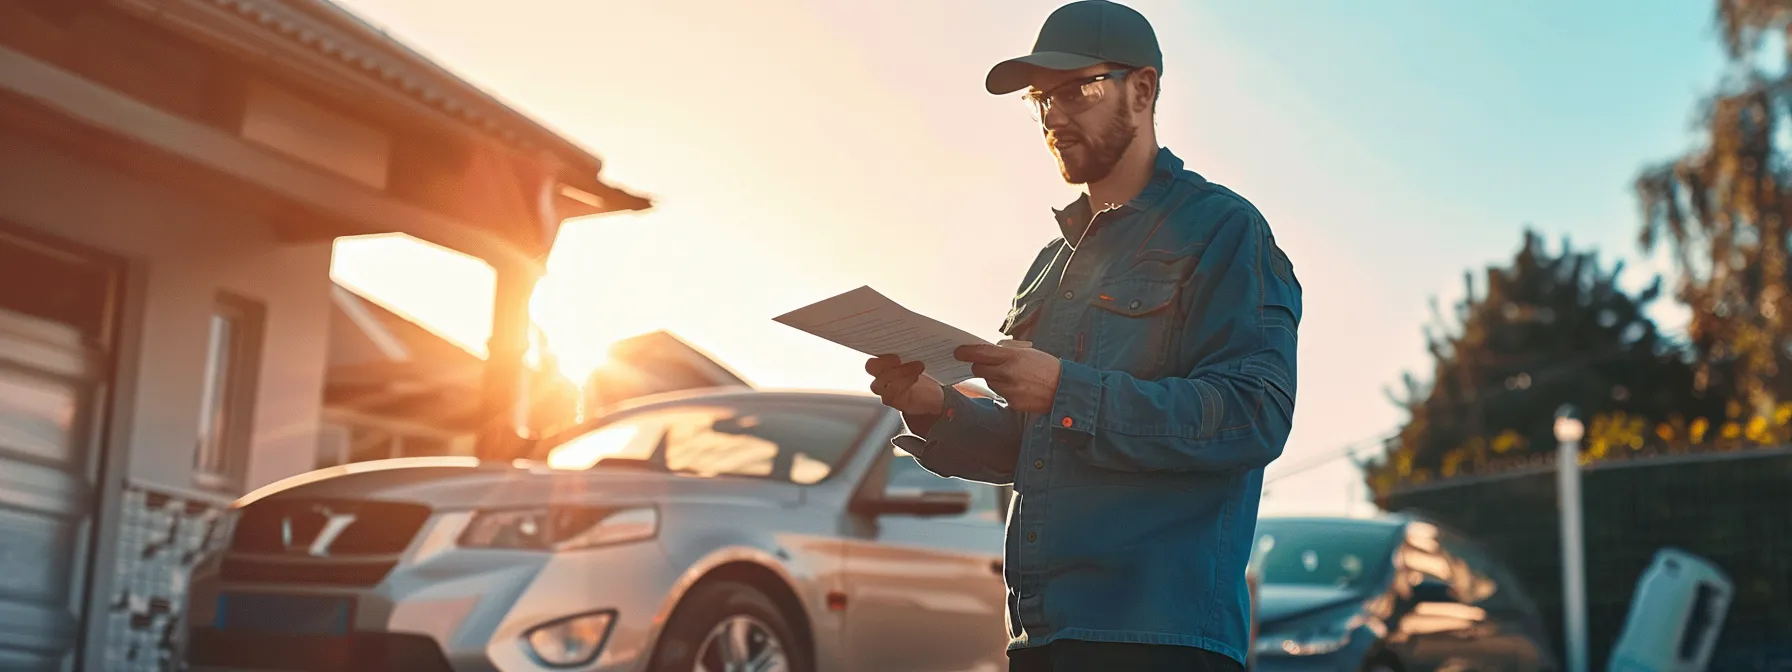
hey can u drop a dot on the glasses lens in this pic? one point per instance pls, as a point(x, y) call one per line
point(1079, 98)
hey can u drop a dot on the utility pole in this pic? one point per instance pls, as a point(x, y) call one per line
point(1569, 430)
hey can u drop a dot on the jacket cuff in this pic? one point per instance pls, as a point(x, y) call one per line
point(1078, 402)
point(950, 425)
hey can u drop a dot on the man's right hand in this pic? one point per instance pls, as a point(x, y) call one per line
point(900, 386)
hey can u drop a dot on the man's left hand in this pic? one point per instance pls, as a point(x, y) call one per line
point(1027, 378)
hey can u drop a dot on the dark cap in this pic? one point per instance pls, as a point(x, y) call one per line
point(1079, 35)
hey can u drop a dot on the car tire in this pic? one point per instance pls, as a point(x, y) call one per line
point(722, 609)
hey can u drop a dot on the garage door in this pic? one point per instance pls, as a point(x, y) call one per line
point(50, 380)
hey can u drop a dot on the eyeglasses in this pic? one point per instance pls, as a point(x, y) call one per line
point(1073, 97)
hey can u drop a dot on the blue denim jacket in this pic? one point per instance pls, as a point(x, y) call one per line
point(1136, 496)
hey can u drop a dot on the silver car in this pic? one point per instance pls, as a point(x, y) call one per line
point(717, 531)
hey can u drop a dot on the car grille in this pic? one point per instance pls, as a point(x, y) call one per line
point(262, 570)
point(371, 651)
point(327, 542)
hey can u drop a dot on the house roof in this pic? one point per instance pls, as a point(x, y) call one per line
point(321, 31)
point(383, 363)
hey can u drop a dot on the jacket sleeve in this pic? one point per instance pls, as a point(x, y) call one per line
point(974, 439)
point(1233, 411)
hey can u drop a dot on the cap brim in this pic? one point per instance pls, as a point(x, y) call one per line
point(1017, 73)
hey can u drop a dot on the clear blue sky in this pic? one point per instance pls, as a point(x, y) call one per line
point(803, 147)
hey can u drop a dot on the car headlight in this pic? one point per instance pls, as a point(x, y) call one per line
point(560, 528)
point(1315, 637)
point(570, 642)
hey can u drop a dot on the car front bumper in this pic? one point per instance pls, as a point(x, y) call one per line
point(454, 609)
point(1347, 659)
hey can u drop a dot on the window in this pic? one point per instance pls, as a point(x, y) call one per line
point(908, 477)
point(1340, 554)
point(800, 443)
point(227, 399)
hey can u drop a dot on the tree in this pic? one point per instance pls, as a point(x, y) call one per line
point(1724, 209)
point(1547, 330)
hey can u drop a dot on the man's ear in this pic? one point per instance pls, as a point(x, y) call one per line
point(1144, 89)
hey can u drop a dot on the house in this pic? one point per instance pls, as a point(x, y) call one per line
point(394, 388)
point(175, 173)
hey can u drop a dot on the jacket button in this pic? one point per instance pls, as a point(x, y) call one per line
point(1032, 536)
point(1135, 304)
point(1065, 422)
point(1068, 295)
point(1038, 464)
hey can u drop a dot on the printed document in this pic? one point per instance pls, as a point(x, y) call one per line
point(871, 323)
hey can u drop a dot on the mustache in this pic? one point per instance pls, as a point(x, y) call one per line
point(1054, 138)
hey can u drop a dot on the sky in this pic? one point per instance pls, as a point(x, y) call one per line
point(799, 148)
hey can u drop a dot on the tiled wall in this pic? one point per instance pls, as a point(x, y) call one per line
point(162, 536)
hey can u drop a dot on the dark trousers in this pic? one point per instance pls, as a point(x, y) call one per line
point(1069, 655)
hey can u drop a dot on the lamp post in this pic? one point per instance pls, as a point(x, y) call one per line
point(1569, 431)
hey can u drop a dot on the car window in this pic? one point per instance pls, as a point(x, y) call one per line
point(1478, 580)
point(633, 438)
point(1423, 556)
point(906, 476)
point(801, 443)
point(1341, 554)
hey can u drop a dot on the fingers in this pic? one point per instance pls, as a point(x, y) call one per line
point(897, 388)
point(983, 354)
point(877, 365)
point(892, 380)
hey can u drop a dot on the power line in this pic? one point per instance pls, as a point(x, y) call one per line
point(1348, 450)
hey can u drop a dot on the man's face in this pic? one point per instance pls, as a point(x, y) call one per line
point(1087, 141)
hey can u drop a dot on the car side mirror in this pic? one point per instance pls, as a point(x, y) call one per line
point(1432, 590)
point(918, 503)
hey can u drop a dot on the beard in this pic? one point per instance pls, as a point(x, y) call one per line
point(1083, 158)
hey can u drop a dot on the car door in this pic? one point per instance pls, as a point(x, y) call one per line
point(1507, 640)
point(925, 593)
point(1436, 630)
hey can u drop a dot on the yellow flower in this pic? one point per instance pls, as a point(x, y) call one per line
point(1757, 430)
point(1697, 431)
point(1506, 441)
point(1732, 430)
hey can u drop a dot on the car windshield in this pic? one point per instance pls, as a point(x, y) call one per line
point(803, 444)
point(1340, 554)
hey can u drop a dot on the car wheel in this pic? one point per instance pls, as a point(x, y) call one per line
point(729, 627)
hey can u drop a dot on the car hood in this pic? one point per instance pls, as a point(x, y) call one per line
point(1285, 602)
point(452, 483)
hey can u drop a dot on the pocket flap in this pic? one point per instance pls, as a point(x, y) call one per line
point(1136, 297)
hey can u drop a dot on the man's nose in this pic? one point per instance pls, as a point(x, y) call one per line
point(1055, 118)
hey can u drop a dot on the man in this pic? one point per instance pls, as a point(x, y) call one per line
point(1151, 379)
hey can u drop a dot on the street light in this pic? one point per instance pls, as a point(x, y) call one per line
point(1569, 430)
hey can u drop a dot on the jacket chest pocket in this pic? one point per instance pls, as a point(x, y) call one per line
point(1134, 324)
point(1023, 315)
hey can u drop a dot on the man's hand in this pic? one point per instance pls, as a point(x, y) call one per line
point(1027, 378)
point(900, 386)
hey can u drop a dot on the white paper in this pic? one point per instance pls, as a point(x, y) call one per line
point(871, 323)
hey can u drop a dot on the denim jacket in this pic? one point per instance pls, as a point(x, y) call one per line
point(1136, 497)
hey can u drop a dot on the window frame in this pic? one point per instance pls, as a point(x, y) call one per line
point(736, 406)
point(232, 393)
point(1000, 495)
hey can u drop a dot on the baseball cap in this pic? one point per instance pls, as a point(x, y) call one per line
point(1079, 35)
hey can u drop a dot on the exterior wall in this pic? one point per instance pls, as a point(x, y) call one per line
point(181, 251)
